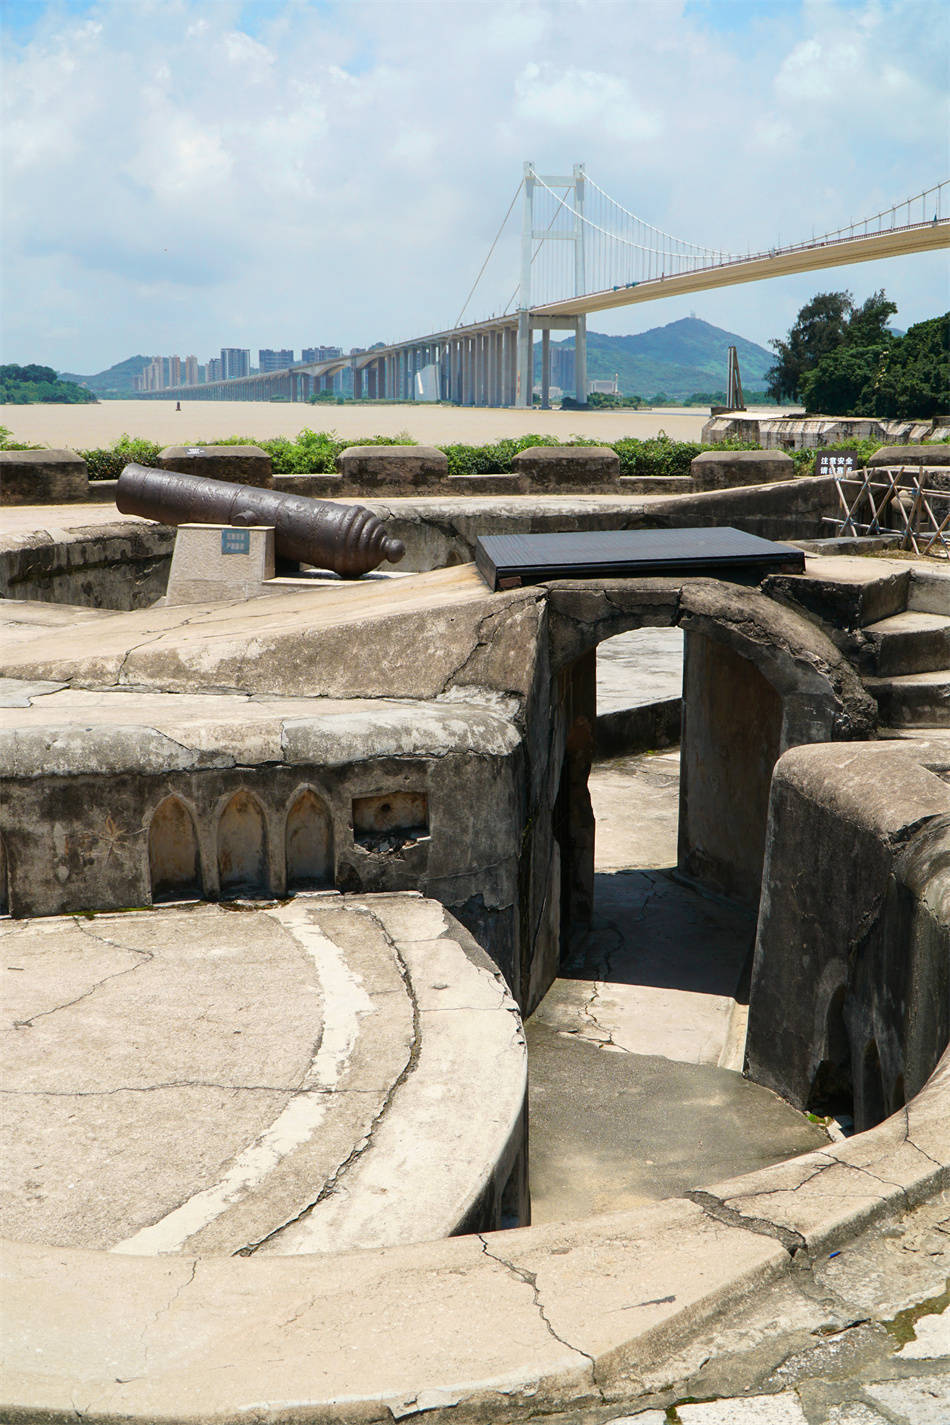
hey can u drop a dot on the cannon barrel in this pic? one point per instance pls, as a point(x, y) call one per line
point(349, 539)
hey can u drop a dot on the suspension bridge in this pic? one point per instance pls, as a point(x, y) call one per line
point(581, 252)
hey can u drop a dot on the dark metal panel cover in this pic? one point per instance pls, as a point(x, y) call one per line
point(532, 558)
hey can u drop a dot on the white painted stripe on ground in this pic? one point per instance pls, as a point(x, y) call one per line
point(345, 1001)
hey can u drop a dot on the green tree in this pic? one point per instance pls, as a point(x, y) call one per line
point(820, 328)
point(914, 379)
point(867, 324)
point(837, 385)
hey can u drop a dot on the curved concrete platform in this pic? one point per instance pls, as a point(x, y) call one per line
point(498, 1326)
point(321, 1074)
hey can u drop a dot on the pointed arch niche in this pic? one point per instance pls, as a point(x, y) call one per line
point(174, 867)
point(242, 847)
point(309, 843)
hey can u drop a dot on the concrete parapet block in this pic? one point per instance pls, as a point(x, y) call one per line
point(241, 464)
point(558, 467)
point(396, 469)
point(216, 561)
point(726, 469)
point(920, 456)
point(850, 996)
point(42, 477)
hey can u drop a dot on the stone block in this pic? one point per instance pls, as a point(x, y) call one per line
point(558, 467)
point(917, 455)
point(726, 469)
point(214, 561)
point(42, 477)
point(239, 464)
point(392, 467)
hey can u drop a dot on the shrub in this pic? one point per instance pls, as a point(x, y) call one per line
point(108, 464)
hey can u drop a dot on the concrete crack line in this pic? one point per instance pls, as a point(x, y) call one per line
point(606, 968)
point(365, 1142)
point(160, 633)
point(530, 1279)
point(162, 1311)
point(295, 1091)
point(716, 1209)
point(909, 1140)
point(147, 955)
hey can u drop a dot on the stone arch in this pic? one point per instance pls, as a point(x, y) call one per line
point(832, 1090)
point(308, 842)
point(242, 846)
point(174, 865)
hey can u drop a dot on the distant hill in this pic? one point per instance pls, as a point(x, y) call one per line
point(679, 359)
point(117, 379)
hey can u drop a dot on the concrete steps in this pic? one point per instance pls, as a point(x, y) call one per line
point(908, 642)
point(929, 590)
point(913, 699)
point(891, 618)
point(845, 591)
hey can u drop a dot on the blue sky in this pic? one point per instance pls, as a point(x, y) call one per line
point(185, 174)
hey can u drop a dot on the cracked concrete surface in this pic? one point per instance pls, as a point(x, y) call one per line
point(189, 1079)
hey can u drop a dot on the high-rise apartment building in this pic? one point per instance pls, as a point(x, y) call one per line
point(235, 361)
point(215, 368)
point(320, 353)
point(271, 359)
point(174, 371)
point(192, 376)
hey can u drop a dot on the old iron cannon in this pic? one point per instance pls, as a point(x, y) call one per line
point(349, 539)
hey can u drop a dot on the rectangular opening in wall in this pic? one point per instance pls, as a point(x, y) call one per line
point(390, 822)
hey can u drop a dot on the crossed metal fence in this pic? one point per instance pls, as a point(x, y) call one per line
point(894, 500)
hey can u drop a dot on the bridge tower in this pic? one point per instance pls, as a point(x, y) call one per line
point(527, 324)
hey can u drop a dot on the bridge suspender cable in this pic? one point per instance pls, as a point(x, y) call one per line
point(458, 319)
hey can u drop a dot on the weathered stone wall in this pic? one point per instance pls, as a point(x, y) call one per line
point(439, 532)
point(726, 469)
point(119, 566)
point(850, 999)
point(42, 477)
point(814, 432)
point(79, 830)
point(732, 728)
point(239, 464)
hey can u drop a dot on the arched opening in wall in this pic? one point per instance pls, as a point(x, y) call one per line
point(242, 847)
point(873, 1106)
point(174, 867)
point(309, 844)
point(832, 1089)
point(639, 691)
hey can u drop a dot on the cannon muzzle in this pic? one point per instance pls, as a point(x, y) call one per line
point(349, 539)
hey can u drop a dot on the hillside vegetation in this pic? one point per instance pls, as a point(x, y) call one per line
point(38, 385)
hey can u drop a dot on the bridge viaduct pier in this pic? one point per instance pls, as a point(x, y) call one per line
point(488, 364)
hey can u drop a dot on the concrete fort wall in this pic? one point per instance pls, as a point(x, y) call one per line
point(850, 1002)
point(101, 566)
point(135, 829)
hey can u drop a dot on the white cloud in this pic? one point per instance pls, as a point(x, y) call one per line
point(182, 174)
point(579, 99)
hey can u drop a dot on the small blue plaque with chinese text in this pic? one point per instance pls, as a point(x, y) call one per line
point(235, 541)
